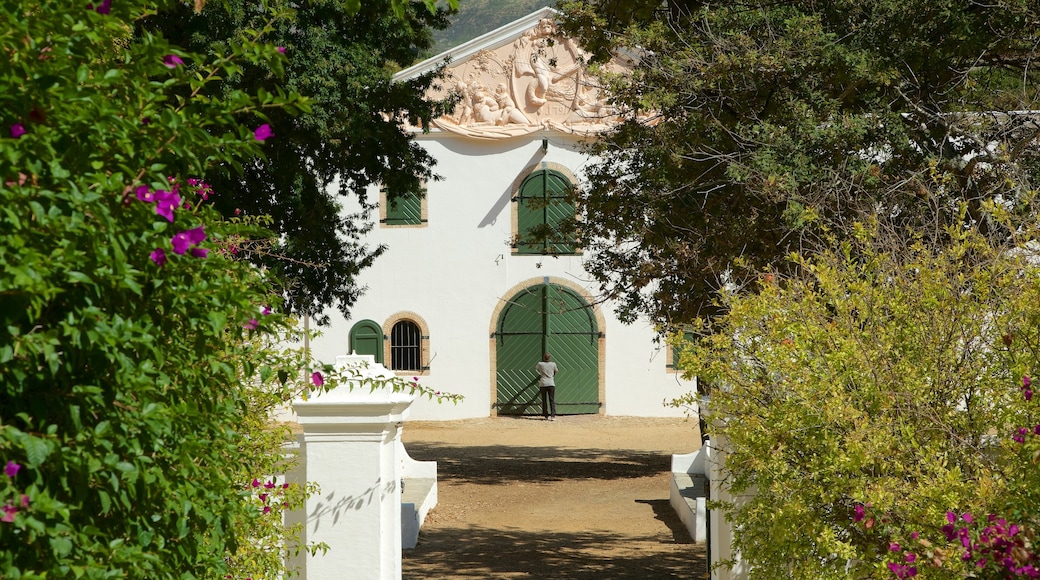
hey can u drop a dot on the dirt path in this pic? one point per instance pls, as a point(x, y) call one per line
point(584, 497)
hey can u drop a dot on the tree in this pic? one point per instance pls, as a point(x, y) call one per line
point(755, 128)
point(340, 58)
point(883, 378)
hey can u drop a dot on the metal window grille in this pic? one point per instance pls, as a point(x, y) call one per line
point(405, 347)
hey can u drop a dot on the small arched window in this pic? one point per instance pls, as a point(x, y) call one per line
point(406, 347)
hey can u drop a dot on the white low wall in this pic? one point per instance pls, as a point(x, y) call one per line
point(351, 448)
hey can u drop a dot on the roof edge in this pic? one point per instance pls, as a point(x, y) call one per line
point(488, 41)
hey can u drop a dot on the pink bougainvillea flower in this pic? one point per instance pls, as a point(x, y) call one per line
point(894, 547)
point(858, 513)
point(251, 324)
point(1026, 382)
point(197, 235)
point(281, 49)
point(1028, 395)
point(11, 469)
point(9, 512)
point(17, 130)
point(158, 256)
point(166, 202)
point(189, 238)
point(317, 379)
point(199, 252)
point(267, 509)
point(145, 194)
point(269, 485)
point(263, 133)
point(172, 60)
point(104, 8)
point(263, 497)
point(25, 502)
point(966, 517)
point(181, 243)
point(285, 486)
point(265, 310)
point(256, 482)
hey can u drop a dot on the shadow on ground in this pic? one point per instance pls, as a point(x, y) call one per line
point(499, 464)
point(484, 553)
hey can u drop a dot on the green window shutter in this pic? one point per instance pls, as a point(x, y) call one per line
point(544, 213)
point(404, 210)
point(678, 349)
point(366, 337)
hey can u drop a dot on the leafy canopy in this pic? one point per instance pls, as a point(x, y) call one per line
point(341, 57)
point(757, 128)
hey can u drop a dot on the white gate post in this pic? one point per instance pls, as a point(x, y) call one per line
point(350, 446)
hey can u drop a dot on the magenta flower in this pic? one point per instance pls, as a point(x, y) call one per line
point(144, 193)
point(172, 60)
point(966, 517)
point(17, 130)
point(857, 512)
point(911, 557)
point(9, 511)
point(281, 49)
point(256, 482)
point(25, 502)
point(1026, 382)
point(104, 8)
point(263, 497)
point(267, 509)
point(11, 469)
point(263, 133)
point(317, 379)
point(267, 310)
point(188, 238)
point(158, 256)
point(251, 324)
point(197, 235)
point(269, 485)
point(894, 547)
point(180, 243)
point(1028, 395)
point(199, 252)
point(166, 202)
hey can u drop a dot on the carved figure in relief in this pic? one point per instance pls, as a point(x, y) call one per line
point(485, 107)
point(509, 112)
point(463, 110)
point(531, 59)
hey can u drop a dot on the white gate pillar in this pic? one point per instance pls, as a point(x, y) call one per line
point(350, 446)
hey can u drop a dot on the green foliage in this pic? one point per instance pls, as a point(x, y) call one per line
point(122, 352)
point(755, 128)
point(878, 374)
point(341, 58)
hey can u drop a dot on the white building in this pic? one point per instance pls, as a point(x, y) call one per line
point(466, 298)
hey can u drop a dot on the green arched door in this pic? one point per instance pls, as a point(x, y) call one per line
point(539, 319)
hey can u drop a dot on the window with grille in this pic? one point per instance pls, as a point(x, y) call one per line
point(405, 347)
point(545, 214)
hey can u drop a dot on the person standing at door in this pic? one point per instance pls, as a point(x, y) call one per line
point(547, 385)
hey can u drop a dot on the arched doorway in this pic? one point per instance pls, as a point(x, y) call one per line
point(547, 318)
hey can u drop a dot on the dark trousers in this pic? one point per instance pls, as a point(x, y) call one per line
point(548, 400)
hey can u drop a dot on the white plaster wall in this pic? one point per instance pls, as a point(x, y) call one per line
point(454, 271)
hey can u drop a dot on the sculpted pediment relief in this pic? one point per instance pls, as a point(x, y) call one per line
point(538, 82)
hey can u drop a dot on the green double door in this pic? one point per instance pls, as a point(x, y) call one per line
point(539, 319)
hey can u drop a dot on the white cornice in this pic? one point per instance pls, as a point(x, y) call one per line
point(490, 41)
